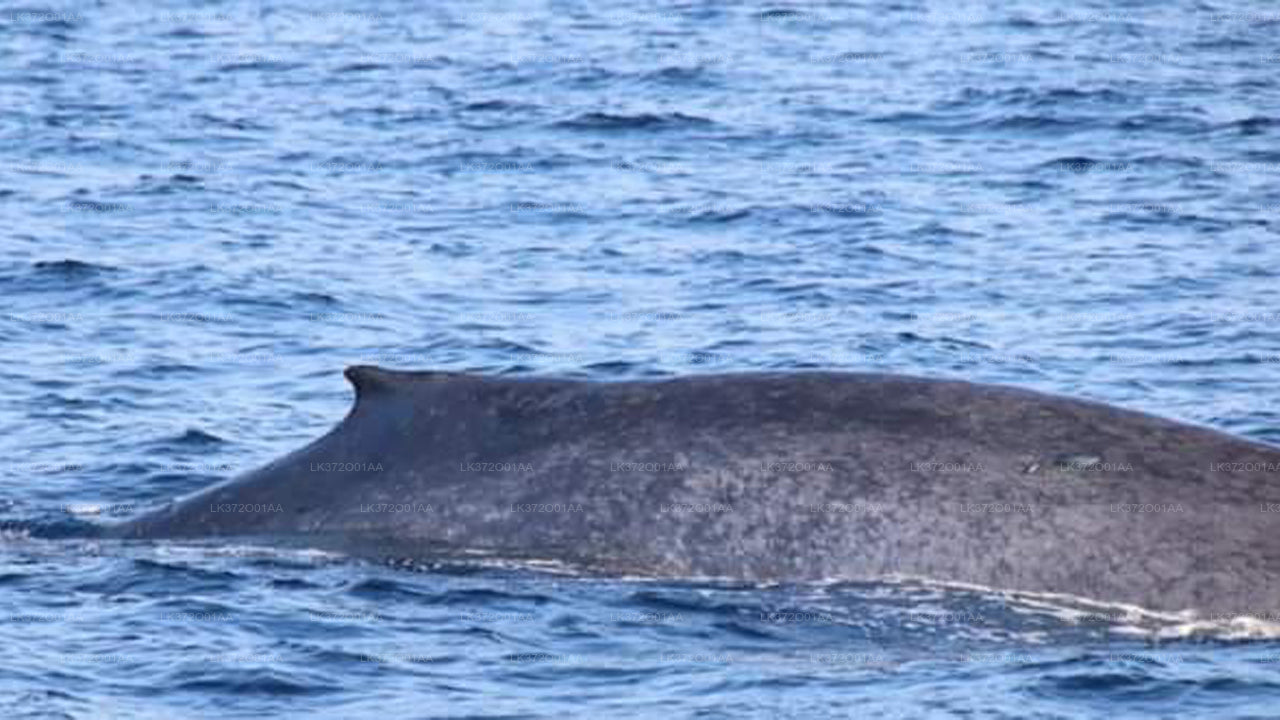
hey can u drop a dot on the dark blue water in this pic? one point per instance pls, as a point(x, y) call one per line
point(208, 210)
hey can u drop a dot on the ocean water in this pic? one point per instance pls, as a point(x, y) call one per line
point(209, 209)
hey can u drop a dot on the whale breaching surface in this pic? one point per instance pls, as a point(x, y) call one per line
point(794, 477)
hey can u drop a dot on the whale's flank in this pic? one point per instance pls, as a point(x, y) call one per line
point(773, 476)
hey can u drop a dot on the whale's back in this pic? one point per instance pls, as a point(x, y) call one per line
point(772, 476)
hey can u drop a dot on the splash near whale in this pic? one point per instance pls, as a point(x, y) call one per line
point(772, 477)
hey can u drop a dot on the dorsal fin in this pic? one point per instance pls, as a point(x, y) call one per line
point(371, 380)
point(367, 379)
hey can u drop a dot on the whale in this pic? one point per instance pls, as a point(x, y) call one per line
point(770, 477)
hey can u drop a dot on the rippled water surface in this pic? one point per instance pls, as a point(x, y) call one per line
point(209, 210)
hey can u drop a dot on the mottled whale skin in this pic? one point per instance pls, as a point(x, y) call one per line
point(772, 477)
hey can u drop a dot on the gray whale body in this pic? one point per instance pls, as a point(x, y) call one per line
point(772, 477)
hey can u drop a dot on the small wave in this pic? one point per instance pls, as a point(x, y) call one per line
point(1077, 96)
point(937, 232)
point(68, 275)
point(1036, 123)
point(187, 33)
point(491, 106)
point(272, 66)
point(1029, 123)
point(384, 589)
point(1162, 162)
point(678, 76)
point(378, 588)
point(70, 269)
point(944, 340)
point(1255, 125)
point(240, 123)
point(1170, 123)
point(316, 298)
point(163, 369)
point(640, 121)
point(192, 438)
point(1219, 362)
point(240, 682)
point(1037, 97)
point(361, 67)
point(617, 368)
point(720, 217)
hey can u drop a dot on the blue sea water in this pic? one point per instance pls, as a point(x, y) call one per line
point(208, 209)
